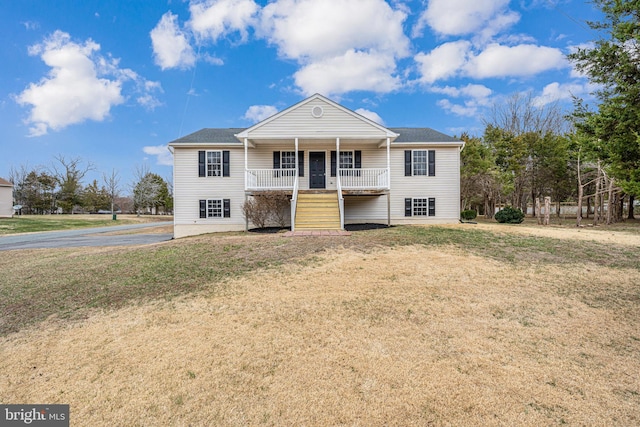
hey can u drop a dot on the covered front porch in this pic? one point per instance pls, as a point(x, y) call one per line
point(318, 167)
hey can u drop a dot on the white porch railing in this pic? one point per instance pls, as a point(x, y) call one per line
point(271, 179)
point(364, 178)
point(350, 179)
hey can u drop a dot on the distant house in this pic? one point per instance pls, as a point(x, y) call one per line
point(336, 166)
point(6, 199)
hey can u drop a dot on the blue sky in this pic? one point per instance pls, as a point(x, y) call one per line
point(112, 82)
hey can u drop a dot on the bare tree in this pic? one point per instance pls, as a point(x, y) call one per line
point(521, 114)
point(112, 184)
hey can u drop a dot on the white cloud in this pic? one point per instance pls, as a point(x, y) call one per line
point(162, 153)
point(81, 85)
point(555, 91)
point(521, 60)
point(340, 45)
point(457, 59)
point(443, 62)
point(212, 19)
point(371, 115)
point(257, 113)
point(349, 72)
point(309, 29)
point(478, 92)
point(459, 17)
point(73, 91)
point(171, 49)
point(477, 97)
point(467, 110)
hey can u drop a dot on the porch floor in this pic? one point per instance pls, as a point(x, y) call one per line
point(317, 233)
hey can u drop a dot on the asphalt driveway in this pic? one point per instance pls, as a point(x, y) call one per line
point(84, 237)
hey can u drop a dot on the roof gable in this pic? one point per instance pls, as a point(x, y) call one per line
point(316, 117)
point(5, 183)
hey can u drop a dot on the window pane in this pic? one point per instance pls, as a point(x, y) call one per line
point(214, 208)
point(420, 207)
point(420, 162)
point(346, 159)
point(214, 163)
point(288, 160)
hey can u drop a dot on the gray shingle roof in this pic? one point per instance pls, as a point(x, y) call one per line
point(226, 136)
point(421, 135)
point(211, 135)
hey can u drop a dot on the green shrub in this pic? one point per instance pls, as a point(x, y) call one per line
point(510, 215)
point(468, 215)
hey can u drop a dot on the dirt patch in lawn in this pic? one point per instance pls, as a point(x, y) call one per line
point(396, 336)
point(596, 234)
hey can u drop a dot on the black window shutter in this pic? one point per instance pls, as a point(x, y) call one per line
point(357, 159)
point(226, 208)
point(300, 163)
point(203, 208)
point(407, 207)
point(202, 170)
point(276, 160)
point(432, 206)
point(334, 160)
point(432, 162)
point(407, 162)
point(225, 163)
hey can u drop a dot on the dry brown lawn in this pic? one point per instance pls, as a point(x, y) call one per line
point(393, 336)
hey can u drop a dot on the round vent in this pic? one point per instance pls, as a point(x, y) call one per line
point(317, 111)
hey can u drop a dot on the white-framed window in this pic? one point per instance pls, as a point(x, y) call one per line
point(420, 206)
point(419, 162)
point(214, 208)
point(288, 159)
point(346, 160)
point(214, 163)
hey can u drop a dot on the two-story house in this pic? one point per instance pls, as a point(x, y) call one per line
point(337, 167)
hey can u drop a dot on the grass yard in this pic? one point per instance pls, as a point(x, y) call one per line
point(466, 324)
point(34, 223)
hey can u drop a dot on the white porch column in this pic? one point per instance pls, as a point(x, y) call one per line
point(297, 163)
point(246, 162)
point(388, 162)
point(337, 155)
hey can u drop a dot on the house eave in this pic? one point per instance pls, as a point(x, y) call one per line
point(459, 144)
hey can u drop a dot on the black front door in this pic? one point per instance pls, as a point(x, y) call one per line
point(317, 169)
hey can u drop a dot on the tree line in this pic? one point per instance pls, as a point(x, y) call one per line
point(61, 188)
point(588, 156)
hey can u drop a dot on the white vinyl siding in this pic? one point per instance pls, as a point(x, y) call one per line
point(189, 189)
point(299, 122)
point(444, 186)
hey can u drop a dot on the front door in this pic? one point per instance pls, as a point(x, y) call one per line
point(317, 169)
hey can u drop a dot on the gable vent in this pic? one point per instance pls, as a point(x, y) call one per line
point(317, 111)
